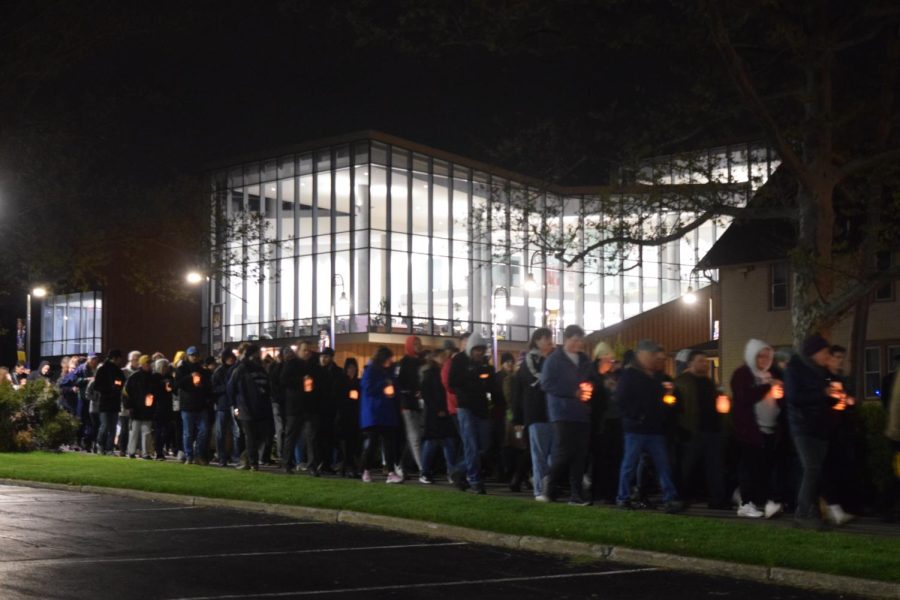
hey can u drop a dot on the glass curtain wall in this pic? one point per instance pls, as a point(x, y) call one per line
point(71, 324)
point(404, 242)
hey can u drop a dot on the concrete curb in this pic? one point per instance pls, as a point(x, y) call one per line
point(788, 577)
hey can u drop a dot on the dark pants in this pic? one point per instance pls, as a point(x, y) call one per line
point(254, 437)
point(756, 472)
point(812, 452)
point(349, 453)
point(227, 429)
point(388, 438)
point(570, 451)
point(164, 433)
point(278, 418)
point(124, 430)
point(107, 434)
point(706, 448)
point(606, 458)
point(294, 425)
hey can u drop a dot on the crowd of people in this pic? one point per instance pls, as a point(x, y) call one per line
point(559, 421)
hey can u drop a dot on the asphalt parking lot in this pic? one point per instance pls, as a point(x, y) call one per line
point(59, 545)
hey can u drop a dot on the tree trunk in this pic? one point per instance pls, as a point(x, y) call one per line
point(858, 335)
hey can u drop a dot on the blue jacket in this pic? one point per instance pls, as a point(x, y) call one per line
point(376, 409)
point(560, 378)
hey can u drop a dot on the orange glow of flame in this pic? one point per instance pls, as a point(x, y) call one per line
point(723, 404)
point(307, 384)
point(389, 391)
point(196, 379)
point(669, 399)
point(354, 395)
point(148, 400)
point(586, 389)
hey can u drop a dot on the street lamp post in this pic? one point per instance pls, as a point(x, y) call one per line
point(39, 292)
point(343, 302)
point(531, 286)
point(496, 318)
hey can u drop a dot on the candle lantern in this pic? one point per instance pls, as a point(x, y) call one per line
point(777, 391)
point(195, 377)
point(389, 390)
point(148, 400)
point(354, 395)
point(307, 384)
point(118, 383)
point(723, 404)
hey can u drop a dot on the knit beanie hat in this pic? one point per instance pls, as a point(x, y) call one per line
point(813, 344)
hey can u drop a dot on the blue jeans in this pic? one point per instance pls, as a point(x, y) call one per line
point(540, 440)
point(655, 445)
point(429, 448)
point(226, 427)
point(476, 438)
point(195, 427)
point(107, 434)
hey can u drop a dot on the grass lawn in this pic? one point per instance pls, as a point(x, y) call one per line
point(871, 557)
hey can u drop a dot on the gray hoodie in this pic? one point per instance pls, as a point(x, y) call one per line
point(474, 341)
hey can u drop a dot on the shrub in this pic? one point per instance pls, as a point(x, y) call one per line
point(30, 418)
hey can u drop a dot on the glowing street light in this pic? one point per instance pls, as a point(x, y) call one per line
point(690, 297)
point(194, 277)
point(531, 284)
point(39, 292)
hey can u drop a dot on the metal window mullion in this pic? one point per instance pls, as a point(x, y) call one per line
point(429, 177)
point(389, 228)
point(351, 284)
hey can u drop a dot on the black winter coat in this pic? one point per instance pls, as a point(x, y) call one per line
point(141, 389)
point(809, 406)
point(193, 397)
point(529, 403)
point(407, 378)
point(438, 422)
point(109, 382)
point(298, 401)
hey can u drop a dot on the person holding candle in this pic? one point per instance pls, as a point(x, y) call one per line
point(249, 386)
point(301, 408)
point(810, 399)
point(164, 425)
point(838, 482)
point(640, 394)
point(700, 428)
point(379, 417)
point(566, 379)
point(142, 392)
point(193, 383)
point(470, 379)
point(347, 425)
point(758, 403)
point(410, 396)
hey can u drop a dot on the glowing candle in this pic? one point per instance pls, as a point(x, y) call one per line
point(195, 377)
point(118, 383)
point(586, 389)
point(485, 375)
point(354, 395)
point(389, 390)
point(777, 391)
point(723, 404)
point(148, 400)
point(307, 384)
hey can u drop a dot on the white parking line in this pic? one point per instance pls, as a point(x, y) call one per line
point(42, 562)
point(411, 586)
point(224, 527)
point(148, 509)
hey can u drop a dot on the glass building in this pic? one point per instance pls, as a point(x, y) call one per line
point(403, 238)
point(71, 324)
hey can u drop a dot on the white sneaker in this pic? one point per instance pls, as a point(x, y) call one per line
point(835, 513)
point(394, 478)
point(750, 511)
point(772, 509)
point(542, 498)
point(366, 476)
